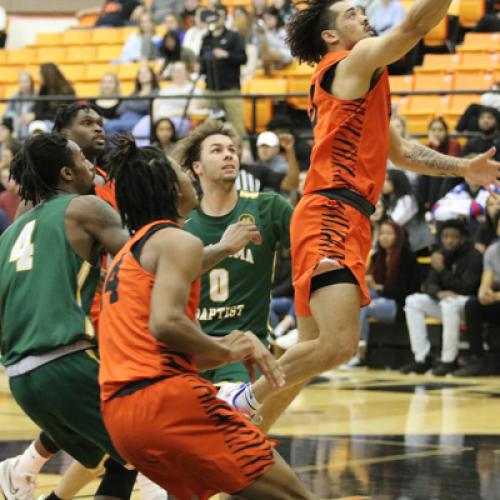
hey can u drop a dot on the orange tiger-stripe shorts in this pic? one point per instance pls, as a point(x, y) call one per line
point(177, 433)
point(324, 229)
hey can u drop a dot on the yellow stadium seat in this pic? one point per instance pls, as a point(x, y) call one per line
point(3, 56)
point(94, 72)
point(264, 106)
point(86, 89)
point(87, 20)
point(436, 104)
point(11, 89)
point(418, 121)
point(48, 39)
point(472, 80)
point(482, 61)
point(128, 30)
point(299, 85)
point(127, 87)
point(470, 11)
point(403, 83)
point(73, 72)
point(9, 74)
point(57, 55)
point(2, 91)
point(128, 71)
point(106, 36)
point(80, 54)
point(76, 37)
point(459, 102)
point(294, 69)
point(108, 53)
point(439, 63)
point(473, 38)
point(21, 56)
point(431, 81)
point(438, 35)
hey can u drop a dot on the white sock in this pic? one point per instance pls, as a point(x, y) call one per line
point(149, 489)
point(247, 398)
point(31, 461)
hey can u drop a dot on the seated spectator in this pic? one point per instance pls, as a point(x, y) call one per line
point(376, 219)
point(401, 206)
point(271, 41)
point(22, 112)
point(274, 172)
point(161, 8)
point(187, 15)
point(116, 13)
point(6, 134)
point(171, 22)
point(465, 201)
point(9, 198)
point(281, 124)
point(387, 15)
point(282, 311)
point(52, 83)
point(487, 231)
point(242, 23)
point(258, 9)
point(400, 125)
point(286, 9)
point(454, 277)
point(179, 108)
point(485, 308)
point(142, 45)
point(440, 140)
point(488, 129)
point(164, 136)
point(392, 276)
point(109, 86)
point(131, 111)
point(172, 51)
point(492, 99)
point(194, 35)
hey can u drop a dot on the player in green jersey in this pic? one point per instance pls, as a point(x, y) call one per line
point(235, 294)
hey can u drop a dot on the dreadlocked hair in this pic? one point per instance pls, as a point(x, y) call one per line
point(36, 167)
point(146, 185)
point(305, 27)
point(188, 150)
point(66, 114)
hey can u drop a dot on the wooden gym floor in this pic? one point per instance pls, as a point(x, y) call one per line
point(363, 434)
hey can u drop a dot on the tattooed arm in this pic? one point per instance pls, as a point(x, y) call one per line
point(480, 170)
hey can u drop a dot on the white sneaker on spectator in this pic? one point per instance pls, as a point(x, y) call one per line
point(149, 489)
point(288, 339)
point(15, 486)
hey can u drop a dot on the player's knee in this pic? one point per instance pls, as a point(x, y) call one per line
point(340, 348)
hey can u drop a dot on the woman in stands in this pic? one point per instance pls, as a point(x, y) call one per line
point(108, 87)
point(142, 45)
point(171, 51)
point(164, 136)
point(131, 111)
point(392, 276)
point(52, 83)
point(22, 112)
point(487, 231)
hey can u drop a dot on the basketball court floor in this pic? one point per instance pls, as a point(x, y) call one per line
point(363, 434)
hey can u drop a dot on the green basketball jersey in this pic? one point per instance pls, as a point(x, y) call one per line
point(235, 294)
point(46, 289)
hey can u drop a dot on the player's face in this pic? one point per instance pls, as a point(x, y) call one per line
point(218, 159)
point(86, 130)
point(351, 25)
point(83, 171)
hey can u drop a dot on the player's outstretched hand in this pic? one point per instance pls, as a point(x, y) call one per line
point(483, 170)
point(238, 235)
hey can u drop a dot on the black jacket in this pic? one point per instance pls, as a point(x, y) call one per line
point(223, 74)
point(461, 274)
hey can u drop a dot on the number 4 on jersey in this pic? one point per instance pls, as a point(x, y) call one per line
point(22, 251)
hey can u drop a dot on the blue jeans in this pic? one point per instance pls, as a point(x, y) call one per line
point(280, 306)
point(380, 308)
point(124, 123)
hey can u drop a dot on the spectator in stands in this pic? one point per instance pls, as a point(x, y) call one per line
point(9, 198)
point(109, 86)
point(194, 35)
point(285, 8)
point(400, 125)
point(487, 231)
point(142, 45)
point(178, 109)
point(492, 99)
point(376, 219)
point(187, 15)
point(38, 127)
point(21, 112)
point(171, 22)
point(268, 153)
point(488, 128)
point(3, 27)
point(454, 277)
point(489, 23)
point(401, 206)
point(485, 308)
point(222, 55)
point(242, 23)
point(131, 111)
point(388, 14)
point(171, 51)
point(392, 275)
point(281, 124)
point(271, 40)
point(164, 136)
point(6, 133)
point(160, 8)
point(282, 311)
point(440, 140)
point(116, 13)
point(52, 83)
point(258, 8)
point(465, 201)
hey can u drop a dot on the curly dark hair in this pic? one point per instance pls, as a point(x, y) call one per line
point(305, 27)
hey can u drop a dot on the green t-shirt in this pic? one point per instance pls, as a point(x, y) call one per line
point(46, 289)
point(236, 293)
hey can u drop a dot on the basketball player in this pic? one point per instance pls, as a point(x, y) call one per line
point(184, 438)
point(330, 230)
point(236, 293)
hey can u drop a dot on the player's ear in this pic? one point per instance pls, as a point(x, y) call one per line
point(66, 173)
point(330, 36)
point(197, 167)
